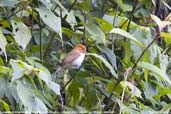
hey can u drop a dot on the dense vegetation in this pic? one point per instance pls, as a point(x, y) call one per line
point(127, 67)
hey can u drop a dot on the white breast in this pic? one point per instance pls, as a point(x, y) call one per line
point(77, 62)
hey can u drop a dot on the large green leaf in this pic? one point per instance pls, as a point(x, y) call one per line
point(126, 35)
point(4, 85)
point(110, 55)
point(96, 33)
point(19, 69)
point(22, 34)
point(3, 43)
point(47, 3)
point(45, 75)
point(155, 70)
point(105, 62)
point(51, 20)
point(26, 96)
point(9, 3)
point(55, 87)
point(104, 25)
point(39, 106)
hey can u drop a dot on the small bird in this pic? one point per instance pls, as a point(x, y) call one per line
point(75, 57)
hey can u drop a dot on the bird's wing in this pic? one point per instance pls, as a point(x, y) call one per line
point(70, 57)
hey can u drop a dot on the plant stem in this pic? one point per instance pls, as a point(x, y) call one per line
point(73, 4)
point(142, 54)
point(49, 44)
point(132, 14)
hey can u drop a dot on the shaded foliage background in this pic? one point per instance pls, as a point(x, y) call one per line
point(126, 70)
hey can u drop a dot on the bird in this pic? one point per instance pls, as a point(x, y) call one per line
point(75, 57)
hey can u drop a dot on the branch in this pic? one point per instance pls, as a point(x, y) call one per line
point(49, 44)
point(142, 54)
point(73, 4)
point(13, 14)
point(131, 15)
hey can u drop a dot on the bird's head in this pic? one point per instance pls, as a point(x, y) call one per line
point(81, 48)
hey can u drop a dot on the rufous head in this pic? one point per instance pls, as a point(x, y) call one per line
point(81, 48)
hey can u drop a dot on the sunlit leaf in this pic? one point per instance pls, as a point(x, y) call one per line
point(164, 61)
point(26, 96)
point(96, 33)
point(166, 37)
point(121, 5)
point(3, 43)
point(22, 34)
point(4, 86)
point(39, 106)
point(47, 3)
point(55, 87)
point(105, 62)
point(126, 35)
point(19, 69)
point(134, 90)
point(51, 20)
point(107, 27)
point(45, 75)
point(155, 70)
point(8, 3)
point(5, 106)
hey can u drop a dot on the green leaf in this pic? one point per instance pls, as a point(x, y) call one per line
point(166, 108)
point(42, 97)
point(5, 105)
point(166, 36)
point(134, 90)
point(96, 33)
point(155, 70)
point(45, 75)
point(105, 62)
point(4, 85)
point(121, 5)
point(5, 70)
point(26, 96)
point(75, 93)
point(3, 43)
point(47, 3)
point(22, 34)
point(39, 106)
point(19, 69)
point(106, 26)
point(126, 35)
point(51, 20)
point(110, 55)
point(9, 3)
point(164, 61)
point(55, 87)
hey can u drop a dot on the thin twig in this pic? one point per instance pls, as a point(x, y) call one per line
point(40, 38)
point(131, 15)
point(84, 31)
point(142, 54)
point(13, 14)
point(126, 74)
point(49, 44)
point(73, 4)
point(68, 82)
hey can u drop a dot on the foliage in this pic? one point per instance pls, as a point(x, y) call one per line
point(127, 66)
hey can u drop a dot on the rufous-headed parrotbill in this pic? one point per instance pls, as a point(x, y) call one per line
point(75, 57)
